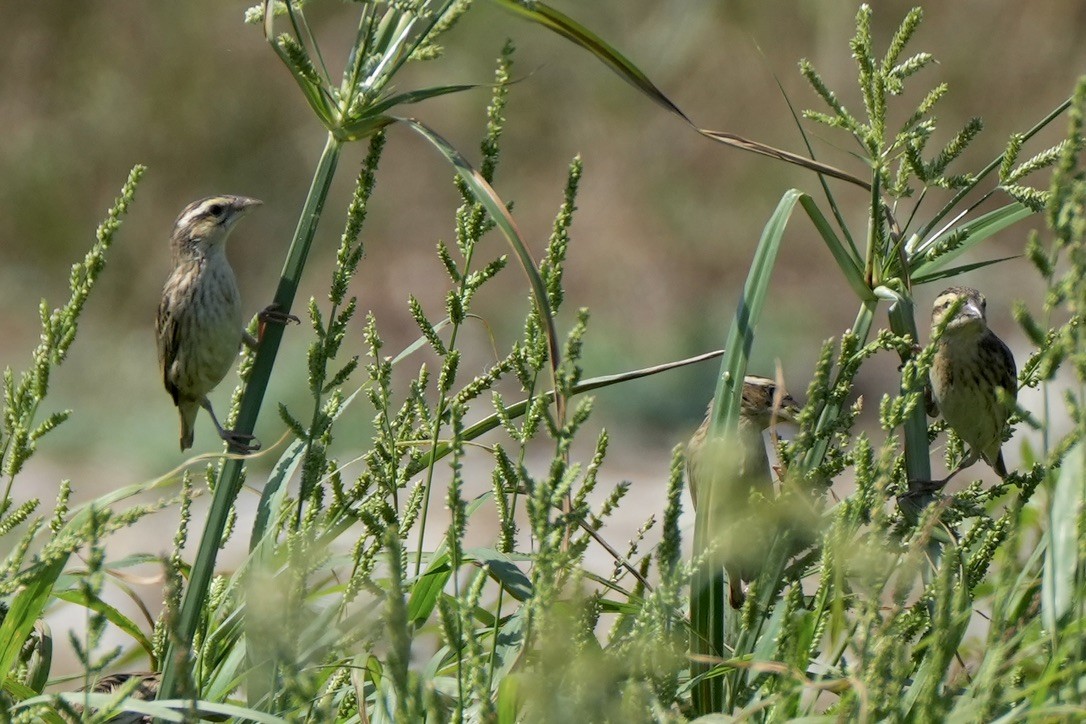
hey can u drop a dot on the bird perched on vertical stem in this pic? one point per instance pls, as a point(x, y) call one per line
point(970, 367)
point(199, 328)
point(737, 471)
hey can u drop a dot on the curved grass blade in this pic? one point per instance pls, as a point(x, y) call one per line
point(548, 17)
point(488, 197)
point(274, 492)
point(707, 601)
point(519, 408)
point(847, 261)
point(173, 710)
point(570, 29)
point(111, 613)
point(966, 190)
point(975, 232)
point(503, 569)
point(740, 338)
point(745, 144)
point(957, 270)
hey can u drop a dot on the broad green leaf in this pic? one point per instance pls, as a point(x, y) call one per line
point(850, 265)
point(1062, 566)
point(502, 569)
point(426, 590)
point(24, 611)
point(274, 492)
point(114, 616)
point(740, 339)
point(508, 701)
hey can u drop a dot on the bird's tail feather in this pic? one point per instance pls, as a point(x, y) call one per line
point(187, 412)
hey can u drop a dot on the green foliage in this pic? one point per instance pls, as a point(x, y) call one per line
point(359, 600)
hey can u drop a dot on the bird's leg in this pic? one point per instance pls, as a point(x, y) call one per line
point(918, 487)
point(238, 442)
point(972, 458)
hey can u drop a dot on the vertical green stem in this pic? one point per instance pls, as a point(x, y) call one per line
point(917, 455)
point(192, 606)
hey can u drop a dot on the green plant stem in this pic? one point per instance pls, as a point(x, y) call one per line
point(917, 454)
point(192, 606)
point(436, 436)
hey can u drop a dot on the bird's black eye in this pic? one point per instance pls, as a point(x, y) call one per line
point(215, 209)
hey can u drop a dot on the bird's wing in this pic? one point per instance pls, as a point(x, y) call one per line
point(166, 333)
point(930, 406)
point(1006, 371)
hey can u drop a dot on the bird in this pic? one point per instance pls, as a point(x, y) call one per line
point(970, 367)
point(737, 473)
point(145, 688)
point(199, 329)
point(138, 686)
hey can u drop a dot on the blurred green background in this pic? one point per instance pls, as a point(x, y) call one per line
point(667, 221)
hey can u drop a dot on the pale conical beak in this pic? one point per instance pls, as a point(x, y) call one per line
point(789, 410)
point(244, 204)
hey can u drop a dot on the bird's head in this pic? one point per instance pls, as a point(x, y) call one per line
point(765, 402)
point(961, 309)
point(202, 227)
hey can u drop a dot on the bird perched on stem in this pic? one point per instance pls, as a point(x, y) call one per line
point(970, 367)
point(736, 471)
point(199, 327)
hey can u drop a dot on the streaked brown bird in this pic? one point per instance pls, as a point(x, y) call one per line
point(137, 686)
point(142, 686)
point(970, 367)
point(199, 328)
point(737, 471)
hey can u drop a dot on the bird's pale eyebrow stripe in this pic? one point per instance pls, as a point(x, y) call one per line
point(201, 210)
